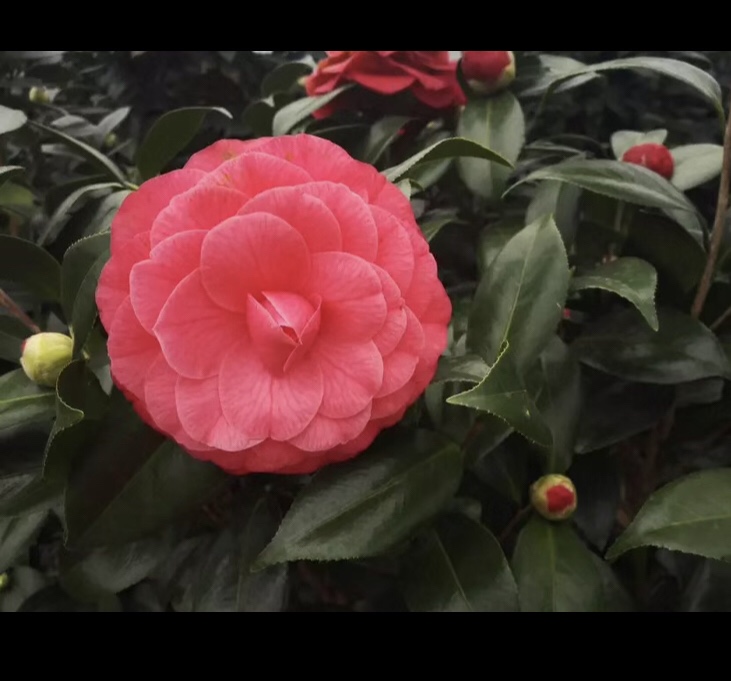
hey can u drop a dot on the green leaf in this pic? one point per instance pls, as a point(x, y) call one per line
point(560, 200)
point(554, 68)
point(560, 402)
point(91, 575)
point(288, 116)
point(284, 77)
point(555, 572)
point(521, 297)
point(23, 403)
point(27, 493)
point(631, 278)
point(9, 172)
point(80, 403)
point(24, 583)
point(696, 164)
point(15, 536)
point(623, 181)
point(503, 394)
point(24, 263)
point(80, 272)
point(682, 350)
point(433, 223)
point(131, 483)
point(624, 140)
point(224, 581)
point(614, 595)
point(96, 158)
point(494, 238)
point(366, 506)
point(11, 120)
point(380, 136)
point(169, 135)
point(459, 567)
point(12, 334)
point(453, 147)
point(497, 123)
point(692, 515)
point(699, 80)
point(63, 212)
point(467, 368)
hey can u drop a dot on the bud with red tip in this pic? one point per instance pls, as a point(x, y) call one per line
point(488, 72)
point(656, 157)
point(45, 356)
point(554, 497)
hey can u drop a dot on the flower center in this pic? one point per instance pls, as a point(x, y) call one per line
point(283, 327)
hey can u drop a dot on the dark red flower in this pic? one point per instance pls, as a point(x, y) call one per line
point(488, 72)
point(656, 157)
point(429, 76)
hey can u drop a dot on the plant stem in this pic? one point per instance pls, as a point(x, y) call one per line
point(11, 306)
point(718, 225)
point(516, 520)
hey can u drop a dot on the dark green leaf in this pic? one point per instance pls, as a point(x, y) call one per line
point(24, 583)
point(632, 278)
point(131, 483)
point(467, 368)
point(259, 116)
point(96, 158)
point(503, 394)
point(554, 68)
point(23, 403)
point(80, 272)
point(709, 589)
point(92, 575)
point(682, 350)
point(560, 402)
point(555, 572)
point(380, 136)
point(623, 181)
point(453, 147)
point(699, 80)
point(521, 296)
point(15, 536)
point(80, 402)
point(8, 172)
point(12, 334)
point(494, 238)
point(225, 583)
point(696, 164)
point(692, 514)
point(26, 493)
point(284, 77)
point(169, 135)
point(459, 567)
point(614, 595)
point(11, 120)
point(364, 507)
point(560, 200)
point(433, 223)
point(24, 263)
point(63, 212)
point(497, 123)
point(289, 116)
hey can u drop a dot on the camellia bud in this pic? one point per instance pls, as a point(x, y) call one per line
point(45, 355)
point(653, 156)
point(39, 95)
point(488, 72)
point(554, 497)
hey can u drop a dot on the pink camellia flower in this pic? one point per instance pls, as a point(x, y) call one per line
point(272, 306)
point(656, 157)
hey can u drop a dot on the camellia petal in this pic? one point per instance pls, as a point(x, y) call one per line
point(195, 333)
point(250, 254)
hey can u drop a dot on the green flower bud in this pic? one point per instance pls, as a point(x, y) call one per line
point(554, 497)
point(4, 581)
point(39, 95)
point(45, 355)
point(111, 140)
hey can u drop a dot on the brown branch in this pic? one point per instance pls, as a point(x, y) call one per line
point(718, 225)
point(517, 519)
point(11, 306)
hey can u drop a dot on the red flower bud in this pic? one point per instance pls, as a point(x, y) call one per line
point(488, 72)
point(656, 157)
point(554, 497)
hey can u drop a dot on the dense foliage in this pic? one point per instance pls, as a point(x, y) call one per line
point(572, 452)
